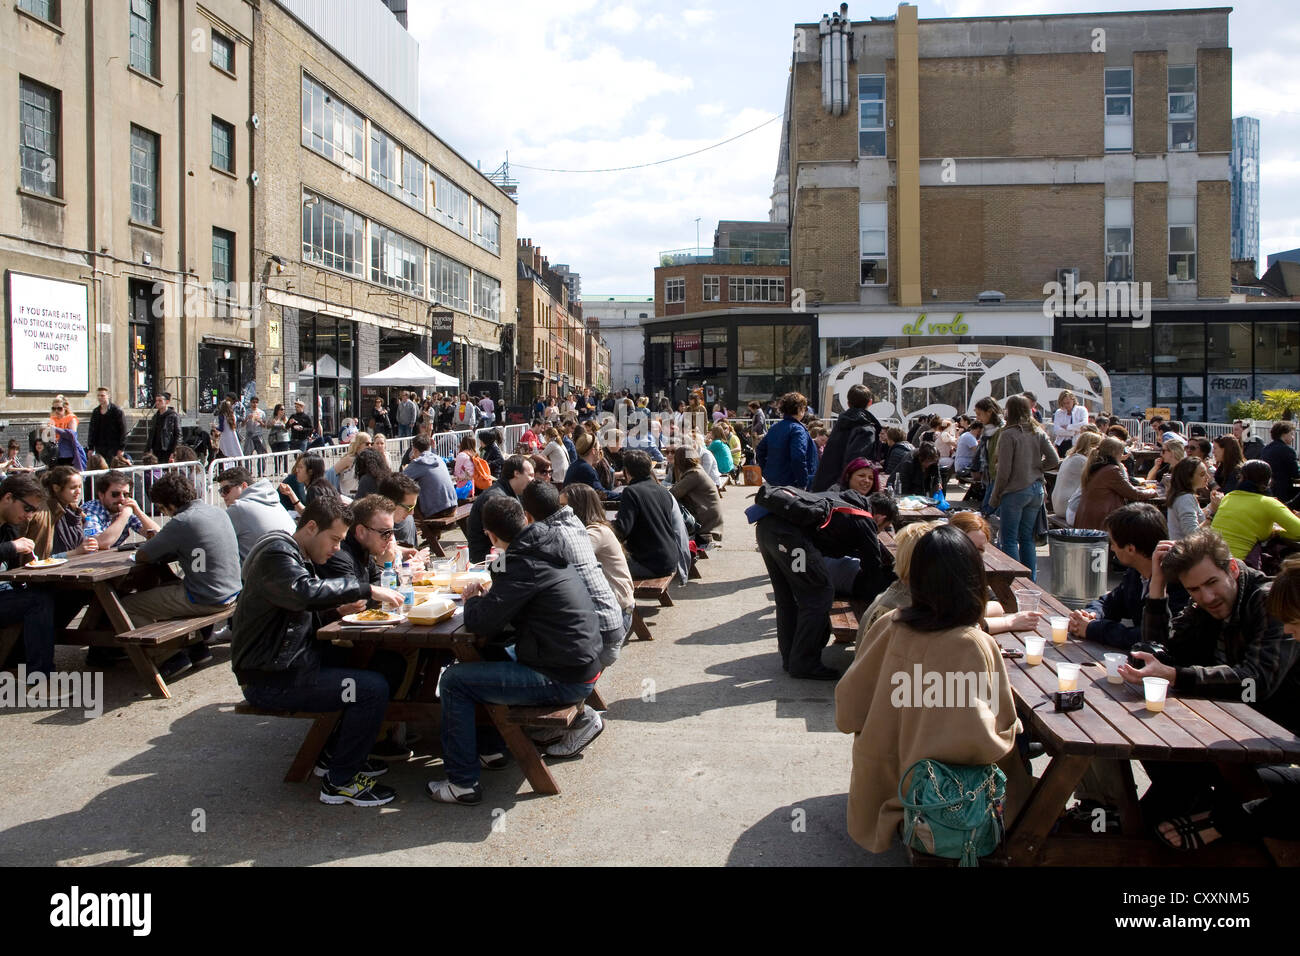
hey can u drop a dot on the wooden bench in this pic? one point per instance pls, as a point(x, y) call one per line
point(150, 643)
point(844, 622)
point(722, 485)
point(649, 588)
point(434, 528)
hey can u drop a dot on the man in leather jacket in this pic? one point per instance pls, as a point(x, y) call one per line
point(277, 659)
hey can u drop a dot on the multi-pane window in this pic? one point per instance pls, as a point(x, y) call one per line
point(712, 289)
point(873, 242)
point(449, 281)
point(396, 261)
point(1182, 239)
point(871, 114)
point(487, 297)
point(450, 203)
point(755, 289)
point(1182, 107)
point(38, 137)
point(143, 27)
point(395, 169)
point(223, 145)
point(223, 52)
point(144, 176)
point(332, 128)
point(1119, 109)
point(45, 9)
point(1119, 240)
point(486, 229)
point(223, 258)
point(675, 290)
point(332, 235)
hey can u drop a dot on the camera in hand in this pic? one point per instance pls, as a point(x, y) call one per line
point(1158, 651)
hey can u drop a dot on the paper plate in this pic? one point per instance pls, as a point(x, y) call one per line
point(47, 563)
point(356, 619)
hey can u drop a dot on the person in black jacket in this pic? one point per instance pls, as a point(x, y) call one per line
point(898, 450)
point(919, 475)
point(854, 436)
point(645, 521)
point(796, 560)
point(21, 498)
point(380, 422)
point(538, 601)
point(277, 659)
point(516, 473)
point(1281, 458)
point(166, 429)
point(107, 428)
point(1115, 618)
point(301, 427)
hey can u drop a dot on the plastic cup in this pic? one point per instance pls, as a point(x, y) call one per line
point(1060, 630)
point(1034, 650)
point(1026, 602)
point(1112, 667)
point(1067, 677)
point(1155, 689)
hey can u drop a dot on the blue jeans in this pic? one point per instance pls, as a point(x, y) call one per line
point(1018, 513)
point(358, 728)
point(35, 608)
point(405, 430)
point(489, 682)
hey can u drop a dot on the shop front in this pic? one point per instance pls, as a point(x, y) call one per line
point(327, 379)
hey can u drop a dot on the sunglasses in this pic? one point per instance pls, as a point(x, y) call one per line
point(28, 507)
point(383, 533)
point(119, 494)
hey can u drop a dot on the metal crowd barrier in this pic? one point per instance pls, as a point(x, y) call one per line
point(142, 478)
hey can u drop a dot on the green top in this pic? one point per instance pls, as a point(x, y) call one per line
point(1245, 518)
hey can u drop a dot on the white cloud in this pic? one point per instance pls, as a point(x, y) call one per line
point(696, 18)
point(620, 19)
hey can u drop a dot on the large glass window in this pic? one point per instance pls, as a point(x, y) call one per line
point(1179, 347)
point(1119, 240)
point(327, 349)
point(332, 128)
point(39, 109)
point(223, 257)
point(712, 289)
point(1182, 239)
point(449, 281)
point(45, 9)
point(144, 176)
point(487, 297)
point(871, 115)
point(1119, 109)
point(756, 288)
point(395, 169)
point(1277, 347)
point(143, 27)
point(396, 261)
point(1127, 349)
point(223, 52)
point(873, 242)
point(1228, 347)
point(223, 145)
point(332, 235)
point(675, 290)
point(1182, 107)
point(449, 204)
point(487, 227)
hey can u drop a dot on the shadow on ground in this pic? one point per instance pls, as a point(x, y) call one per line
point(811, 832)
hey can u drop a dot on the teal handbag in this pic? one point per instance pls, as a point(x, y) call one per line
point(953, 812)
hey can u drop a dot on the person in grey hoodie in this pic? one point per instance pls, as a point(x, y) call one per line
point(437, 493)
point(253, 508)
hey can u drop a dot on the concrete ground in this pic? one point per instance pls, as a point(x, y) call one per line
point(711, 756)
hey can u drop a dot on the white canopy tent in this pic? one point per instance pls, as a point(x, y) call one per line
point(409, 371)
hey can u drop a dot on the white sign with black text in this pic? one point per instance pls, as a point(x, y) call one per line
point(49, 335)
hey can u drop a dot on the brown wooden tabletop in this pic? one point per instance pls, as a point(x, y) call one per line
point(929, 513)
point(1115, 724)
point(106, 565)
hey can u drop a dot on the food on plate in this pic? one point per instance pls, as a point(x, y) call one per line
point(374, 615)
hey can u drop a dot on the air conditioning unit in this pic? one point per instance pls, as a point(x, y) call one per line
point(991, 297)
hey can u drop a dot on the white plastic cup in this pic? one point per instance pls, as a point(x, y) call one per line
point(1155, 689)
point(1060, 630)
point(1026, 602)
point(1067, 676)
point(1112, 667)
point(1034, 650)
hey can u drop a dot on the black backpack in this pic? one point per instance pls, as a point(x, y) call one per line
point(810, 510)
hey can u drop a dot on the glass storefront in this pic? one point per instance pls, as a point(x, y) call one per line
point(223, 369)
point(328, 377)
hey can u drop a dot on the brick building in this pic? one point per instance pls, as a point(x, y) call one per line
point(553, 348)
point(948, 169)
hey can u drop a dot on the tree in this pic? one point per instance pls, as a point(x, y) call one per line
point(1247, 410)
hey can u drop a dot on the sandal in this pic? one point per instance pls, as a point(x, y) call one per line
point(1189, 831)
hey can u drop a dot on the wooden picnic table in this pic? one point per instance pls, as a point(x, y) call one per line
point(105, 575)
point(433, 529)
point(451, 638)
point(1000, 570)
point(1114, 724)
point(928, 513)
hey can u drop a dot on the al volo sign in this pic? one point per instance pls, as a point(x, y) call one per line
point(955, 326)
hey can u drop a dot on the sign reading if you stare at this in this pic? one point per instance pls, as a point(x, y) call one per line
point(49, 335)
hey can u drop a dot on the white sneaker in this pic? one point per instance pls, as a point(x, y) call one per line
point(585, 729)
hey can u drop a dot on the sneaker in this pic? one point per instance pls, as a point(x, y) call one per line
point(371, 768)
point(390, 749)
point(444, 791)
point(493, 761)
point(584, 730)
point(175, 666)
point(544, 736)
point(199, 654)
point(363, 791)
point(222, 635)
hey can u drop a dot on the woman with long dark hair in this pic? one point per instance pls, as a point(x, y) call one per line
point(371, 468)
point(304, 483)
point(1105, 487)
point(278, 430)
point(590, 510)
point(939, 632)
point(1229, 458)
point(1025, 453)
point(60, 529)
point(1183, 511)
point(693, 488)
point(227, 438)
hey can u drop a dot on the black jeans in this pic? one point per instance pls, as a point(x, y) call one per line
point(364, 702)
point(804, 594)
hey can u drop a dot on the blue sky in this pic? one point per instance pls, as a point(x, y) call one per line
point(575, 84)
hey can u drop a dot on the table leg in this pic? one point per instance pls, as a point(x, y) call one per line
point(305, 760)
point(435, 546)
point(121, 621)
point(1004, 592)
point(1026, 836)
point(1130, 812)
point(639, 626)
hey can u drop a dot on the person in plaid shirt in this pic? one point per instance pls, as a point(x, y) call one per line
point(114, 514)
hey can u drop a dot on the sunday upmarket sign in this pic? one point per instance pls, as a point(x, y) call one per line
point(49, 335)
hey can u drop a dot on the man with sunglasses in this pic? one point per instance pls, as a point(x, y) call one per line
point(404, 493)
point(21, 497)
point(114, 514)
point(362, 553)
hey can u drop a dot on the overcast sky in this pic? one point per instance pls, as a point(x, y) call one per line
point(575, 84)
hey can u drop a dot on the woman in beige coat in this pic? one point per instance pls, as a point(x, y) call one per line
point(886, 698)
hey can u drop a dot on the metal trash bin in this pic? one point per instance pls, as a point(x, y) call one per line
point(1080, 562)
